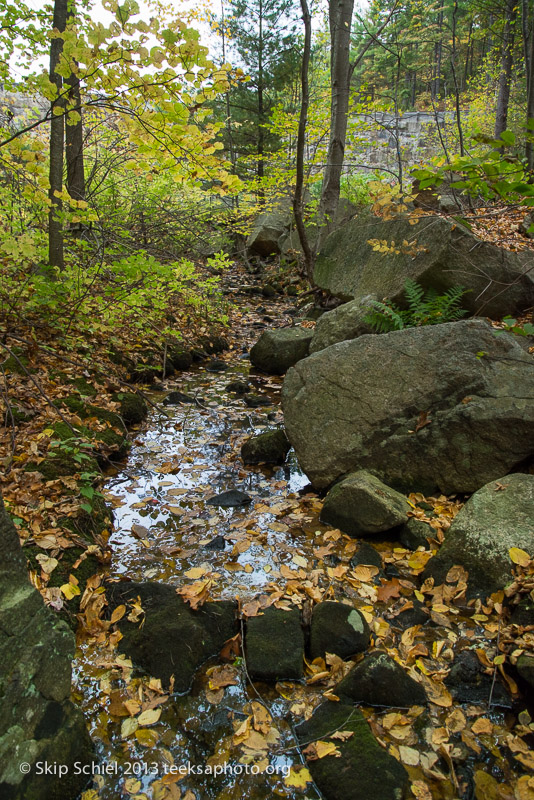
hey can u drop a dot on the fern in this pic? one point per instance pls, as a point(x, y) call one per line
point(424, 308)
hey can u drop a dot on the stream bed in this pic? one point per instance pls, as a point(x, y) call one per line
point(166, 531)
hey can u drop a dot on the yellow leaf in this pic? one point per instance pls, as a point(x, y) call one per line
point(149, 717)
point(70, 590)
point(298, 777)
point(132, 785)
point(129, 726)
point(118, 613)
point(195, 572)
point(147, 738)
point(519, 556)
point(486, 787)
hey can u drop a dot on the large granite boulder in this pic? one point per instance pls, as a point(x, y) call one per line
point(268, 233)
point(496, 518)
point(347, 321)
point(446, 254)
point(278, 349)
point(38, 721)
point(446, 407)
point(173, 640)
point(364, 770)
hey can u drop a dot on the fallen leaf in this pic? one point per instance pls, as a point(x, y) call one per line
point(298, 777)
point(149, 717)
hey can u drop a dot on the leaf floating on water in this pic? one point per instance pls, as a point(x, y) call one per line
point(147, 738)
point(149, 717)
point(128, 727)
point(298, 777)
point(118, 613)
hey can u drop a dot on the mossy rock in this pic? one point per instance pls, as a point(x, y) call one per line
point(17, 415)
point(133, 408)
point(116, 442)
point(19, 365)
point(62, 465)
point(269, 447)
point(84, 387)
point(212, 344)
point(179, 356)
point(364, 771)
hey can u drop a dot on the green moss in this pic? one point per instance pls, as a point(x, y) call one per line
point(62, 465)
point(133, 407)
point(84, 388)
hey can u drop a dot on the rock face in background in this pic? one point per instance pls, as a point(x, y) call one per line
point(497, 517)
point(278, 349)
point(342, 323)
point(350, 269)
point(268, 233)
point(38, 722)
point(446, 406)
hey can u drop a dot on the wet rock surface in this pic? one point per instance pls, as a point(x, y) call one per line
point(379, 681)
point(173, 640)
point(38, 721)
point(364, 770)
point(269, 447)
point(337, 628)
point(274, 645)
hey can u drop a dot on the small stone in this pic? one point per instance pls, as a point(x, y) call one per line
point(278, 349)
point(468, 683)
point(337, 628)
point(217, 365)
point(174, 398)
point(415, 533)
point(218, 543)
point(380, 681)
point(362, 505)
point(230, 499)
point(238, 387)
point(256, 401)
point(269, 447)
point(525, 668)
point(274, 644)
point(366, 555)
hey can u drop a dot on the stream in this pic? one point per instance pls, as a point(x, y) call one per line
point(166, 531)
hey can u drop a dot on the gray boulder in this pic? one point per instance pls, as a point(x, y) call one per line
point(268, 233)
point(499, 281)
point(525, 668)
point(274, 645)
point(364, 771)
point(269, 447)
point(173, 639)
point(497, 517)
point(362, 405)
point(362, 505)
point(379, 681)
point(278, 349)
point(342, 323)
point(337, 628)
point(38, 721)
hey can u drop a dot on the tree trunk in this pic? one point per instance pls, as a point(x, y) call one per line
point(261, 134)
point(527, 28)
point(74, 133)
point(340, 17)
point(298, 197)
point(57, 134)
point(505, 77)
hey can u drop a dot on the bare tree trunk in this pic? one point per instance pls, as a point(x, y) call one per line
point(298, 198)
point(261, 111)
point(505, 77)
point(456, 86)
point(57, 135)
point(74, 132)
point(527, 29)
point(340, 16)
